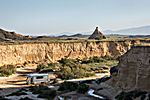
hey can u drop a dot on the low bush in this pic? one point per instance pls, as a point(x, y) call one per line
point(108, 58)
point(69, 72)
point(82, 88)
point(7, 70)
point(96, 59)
point(76, 68)
point(41, 67)
point(68, 86)
point(48, 67)
point(43, 91)
point(64, 61)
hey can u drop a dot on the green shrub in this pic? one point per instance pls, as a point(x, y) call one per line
point(65, 61)
point(49, 66)
point(68, 86)
point(41, 67)
point(66, 73)
point(108, 58)
point(96, 59)
point(7, 70)
point(43, 91)
point(76, 68)
point(82, 88)
point(74, 71)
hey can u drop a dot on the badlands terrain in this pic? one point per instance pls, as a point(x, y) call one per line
point(127, 80)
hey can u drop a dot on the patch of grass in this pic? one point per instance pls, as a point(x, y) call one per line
point(7, 70)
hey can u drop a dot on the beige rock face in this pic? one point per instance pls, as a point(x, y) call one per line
point(35, 52)
point(134, 70)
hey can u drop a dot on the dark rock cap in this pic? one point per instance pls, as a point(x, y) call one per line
point(97, 35)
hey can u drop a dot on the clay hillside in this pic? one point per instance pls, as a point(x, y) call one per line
point(97, 35)
point(5, 35)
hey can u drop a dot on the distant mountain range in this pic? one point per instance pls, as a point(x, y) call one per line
point(7, 36)
point(143, 30)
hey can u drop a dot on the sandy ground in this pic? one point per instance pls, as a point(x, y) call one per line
point(14, 82)
point(100, 75)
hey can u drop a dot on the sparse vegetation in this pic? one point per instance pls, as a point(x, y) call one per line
point(76, 68)
point(41, 67)
point(82, 88)
point(71, 86)
point(50, 66)
point(68, 86)
point(106, 60)
point(72, 69)
point(44, 92)
point(7, 70)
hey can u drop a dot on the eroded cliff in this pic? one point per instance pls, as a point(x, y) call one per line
point(134, 70)
point(38, 52)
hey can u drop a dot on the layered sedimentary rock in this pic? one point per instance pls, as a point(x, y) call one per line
point(36, 52)
point(134, 70)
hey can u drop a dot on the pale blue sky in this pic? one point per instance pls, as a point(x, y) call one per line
point(39, 17)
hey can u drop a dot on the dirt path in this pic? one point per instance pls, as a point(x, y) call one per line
point(16, 81)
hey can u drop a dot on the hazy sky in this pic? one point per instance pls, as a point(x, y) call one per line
point(56, 16)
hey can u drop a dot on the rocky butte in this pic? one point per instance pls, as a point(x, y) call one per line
point(97, 35)
point(133, 74)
